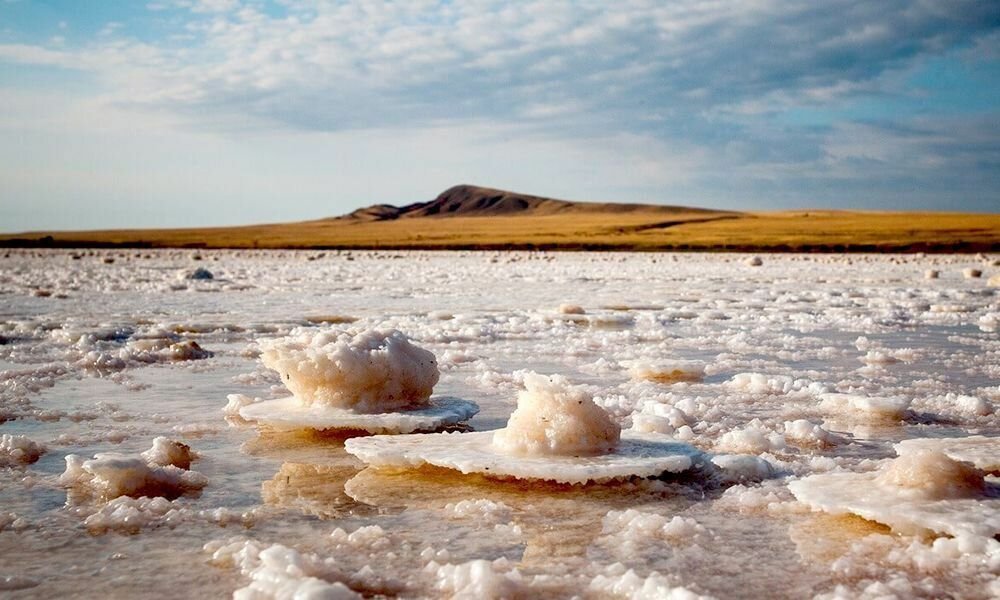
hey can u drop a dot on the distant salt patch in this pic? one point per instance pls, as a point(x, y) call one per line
point(366, 371)
point(571, 309)
point(762, 384)
point(163, 470)
point(237, 401)
point(753, 261)
point(277, 571)
point(919, 492)
point(656, 417)
point(970, 273)
point(477, 579)
point(865, 409)
point(632, 528)
point(484, 510)
point(668, 371)
point(125, 514)
point(19, 450)
point(617, 582)
point(555, 418)
point(742, 468)
point(198, 274)
point(802, 432)
point(755, 438)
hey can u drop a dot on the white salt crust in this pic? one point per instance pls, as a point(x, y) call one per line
point(636, 455)
point(918, 493)
point(289, 413)
point(367, 371)
point(981, 451)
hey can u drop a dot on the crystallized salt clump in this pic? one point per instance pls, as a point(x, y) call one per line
point(863, 408)
point(931, 474)
point(554, 418)
point(18, 450)
point(369, 371)
point(981, 451)
point(160, 471)
point(668, 372)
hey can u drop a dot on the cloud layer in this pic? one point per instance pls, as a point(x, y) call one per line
point(795, 101)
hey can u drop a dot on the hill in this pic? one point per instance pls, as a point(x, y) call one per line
point(474, 201)
point(470, 217)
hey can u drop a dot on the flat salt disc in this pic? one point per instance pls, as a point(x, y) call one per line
point(863, 495)
point(290, 413)
point(981, 451)
point(637, 455)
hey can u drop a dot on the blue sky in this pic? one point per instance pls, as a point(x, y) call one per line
point(204, 112)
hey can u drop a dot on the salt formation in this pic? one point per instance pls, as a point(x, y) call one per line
point(19, 450)
point(993, 281)
point(571, 309)
point(855, 408)
point(375, 381)
point(919, 492)
point(199, 274)
point(163, 470)
point(753, 261)
point(981, 451)
point(556, 433)
point(668, 372)
point(932, 274)
point(972, 273)
point(554, 418)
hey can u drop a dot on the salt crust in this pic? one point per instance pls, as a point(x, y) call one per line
point(370, 371)
point(19, 450)
point(160, 471)
point(920, 492)
point(981, 451)
point(290, 414)
point(637, 455)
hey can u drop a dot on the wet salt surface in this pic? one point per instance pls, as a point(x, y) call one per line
point(109, 367)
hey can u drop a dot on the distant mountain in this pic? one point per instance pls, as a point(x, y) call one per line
point(474, 201)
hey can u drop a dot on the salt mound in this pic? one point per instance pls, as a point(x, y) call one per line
point(199, 274)
point(972, 273)
point(286, 414)
point(931, 274)
point(554, 418)
point(753, 261)
point(668, 372)
point(853, 407)
point(993, 281)
point(160, 471)
point(19, 450)
point(981, 451)
point(919, 492)
point(369, 371)
point(571, 309)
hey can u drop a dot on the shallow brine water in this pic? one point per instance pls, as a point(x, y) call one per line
point(104, 351)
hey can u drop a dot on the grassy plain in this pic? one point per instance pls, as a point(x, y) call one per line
point(762, 231)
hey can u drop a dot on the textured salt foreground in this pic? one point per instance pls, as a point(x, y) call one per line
point(800, 383)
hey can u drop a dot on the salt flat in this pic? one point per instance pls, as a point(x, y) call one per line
point(103, 351)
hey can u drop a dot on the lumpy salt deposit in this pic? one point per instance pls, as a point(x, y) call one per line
point(368, 371)
point(830, 422)
point(553, 417)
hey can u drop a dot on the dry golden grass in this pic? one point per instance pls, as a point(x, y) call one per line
point(794, 230)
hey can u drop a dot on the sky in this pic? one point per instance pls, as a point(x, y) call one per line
point(214, 112)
